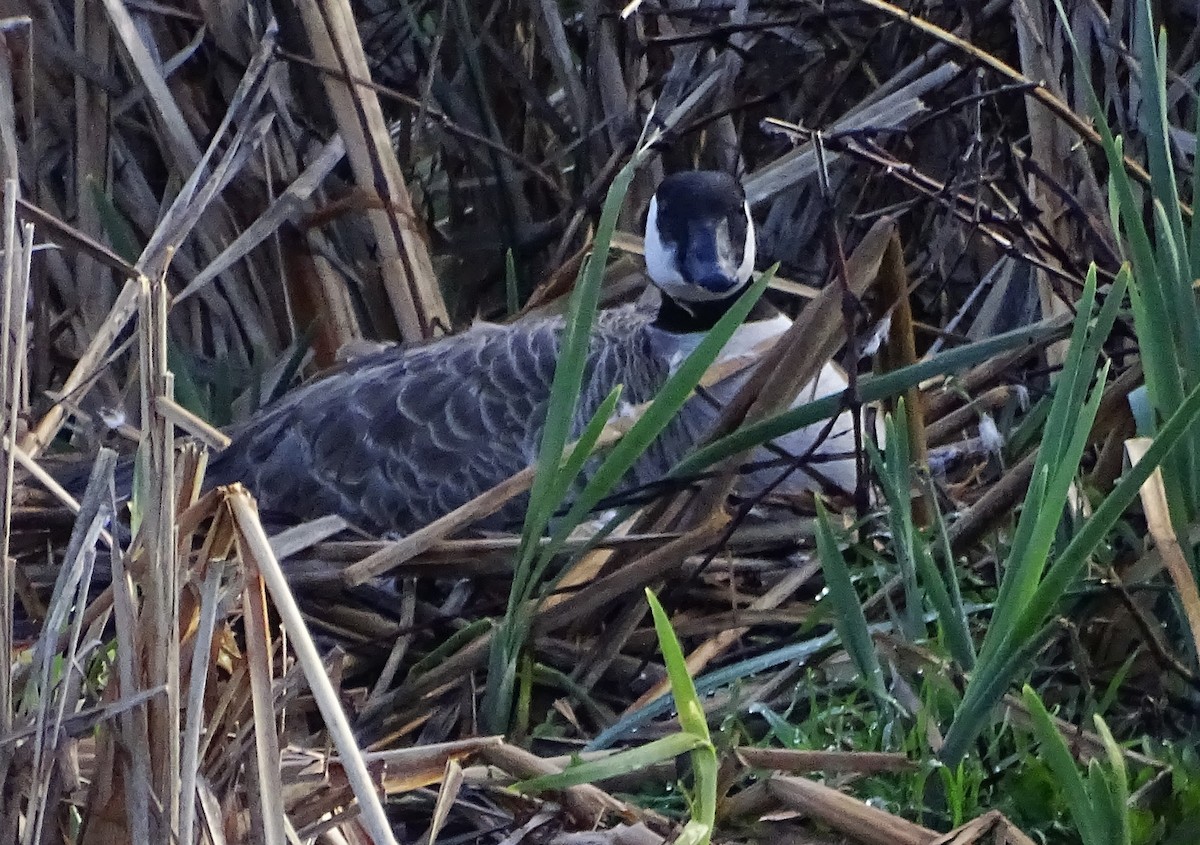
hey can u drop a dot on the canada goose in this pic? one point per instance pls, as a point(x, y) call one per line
point(403, 436)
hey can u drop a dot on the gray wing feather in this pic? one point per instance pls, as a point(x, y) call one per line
point(404, 436)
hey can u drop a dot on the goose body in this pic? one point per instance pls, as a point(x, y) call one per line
point(400, 437)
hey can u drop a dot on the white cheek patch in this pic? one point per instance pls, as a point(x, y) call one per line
point(749, 250)
point(661, 261)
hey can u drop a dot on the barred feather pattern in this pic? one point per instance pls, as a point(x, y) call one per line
point(402, 437)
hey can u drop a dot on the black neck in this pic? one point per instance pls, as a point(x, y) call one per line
point(684, 318)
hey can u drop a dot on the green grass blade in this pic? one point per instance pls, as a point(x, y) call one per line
point(564, 479)
point(1166, 313)
point(585, 444)
point(989, 680)
point(673, 395)
point(1194, 236)
point(1153, 60)
point(955, 625)
point(912, 550)
point(694, 723)
point(892, 472)
point(1074, 378)
point(560, 416)
point(621, 763)
point(573, 351)
point(691, 711)
point(1067, 430)
point(871, 388)
point(1118, 782)
point(849, 620)
point(1057, 756)
point(1026, 571)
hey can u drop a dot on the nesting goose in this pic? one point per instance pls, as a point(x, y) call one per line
point(403, 436)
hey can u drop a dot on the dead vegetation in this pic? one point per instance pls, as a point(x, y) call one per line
point(202, 206)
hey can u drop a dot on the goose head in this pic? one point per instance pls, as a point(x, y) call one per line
point(700, 243)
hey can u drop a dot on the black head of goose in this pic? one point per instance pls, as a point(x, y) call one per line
point(401, 437)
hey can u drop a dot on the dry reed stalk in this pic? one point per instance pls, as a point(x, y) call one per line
point(189, 765)
point(17, 243)
point(256, 548)
point(900, 350)
point(847, 815)
point(1045, 58)
point(587, 804)
point(92, 160)
point(285, 208)
point(801, 164)
point(406, 769)
point(992, 828)
point(836, 762)
point(575, 609)
point(1037, 91)
point(40, 435)
point(944, 430)
point(160, 579)
point(52, 699)
point(448, 791)
point(405, 264)
point(266, 793)
point(1158, 518)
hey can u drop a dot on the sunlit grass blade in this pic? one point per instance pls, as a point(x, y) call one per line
point(694, 723)
point(694, 740)
point(691, 712)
